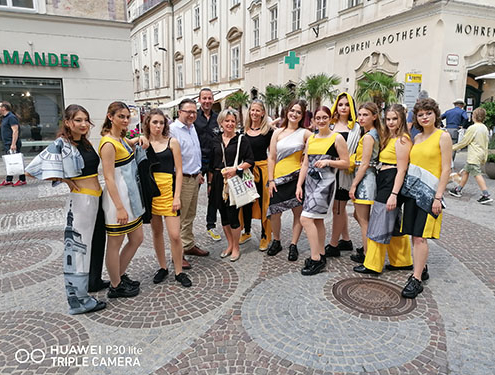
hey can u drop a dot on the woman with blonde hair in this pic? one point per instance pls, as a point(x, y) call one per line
point(259, 133)
point(121, 199)
point(384, 224)
point(166, 165)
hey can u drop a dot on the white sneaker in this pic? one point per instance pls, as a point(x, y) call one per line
point(214, 235)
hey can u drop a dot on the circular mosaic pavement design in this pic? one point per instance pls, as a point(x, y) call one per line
point(18, 257)
point(372, 296)
point(214, 282)
point(31, 336)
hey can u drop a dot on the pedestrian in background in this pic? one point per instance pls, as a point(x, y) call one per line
point(427, 176)
point(258, 132)
point(284, 163)
point(166, 165)
point(455, 119)
point(11, 138)
point(476, 140)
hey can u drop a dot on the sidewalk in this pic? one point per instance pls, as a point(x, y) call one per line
point(255, 316)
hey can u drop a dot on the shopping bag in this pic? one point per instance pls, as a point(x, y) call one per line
point(14, 164)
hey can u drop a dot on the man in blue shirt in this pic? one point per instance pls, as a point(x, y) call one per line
point(11, 139)
point(455, 119)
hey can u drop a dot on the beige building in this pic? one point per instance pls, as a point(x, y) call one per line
point(180, 46)
point(55, 53)
point(443, 44)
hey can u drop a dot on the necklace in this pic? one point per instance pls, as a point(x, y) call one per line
point(255, 129)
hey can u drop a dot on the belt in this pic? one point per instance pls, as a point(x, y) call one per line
point(190, 175)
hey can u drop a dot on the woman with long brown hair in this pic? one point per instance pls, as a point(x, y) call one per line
point(284, 163)
point(121, 199)
point(166, 165)
point(71, 159)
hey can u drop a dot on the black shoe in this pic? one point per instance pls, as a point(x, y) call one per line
point(363, 269)
point(293, 253)
point(345, 245)
point(124, 278)
point(100, 305)
point(394, 268)
point(313, 267)
point(160, 275)
point(183, 279)
point(332, 251)
point(275, 248)
point(359, 256)
point(425, 275)
point(122, 290)
point(308, 260)
point(412, 288)
point(104, 284)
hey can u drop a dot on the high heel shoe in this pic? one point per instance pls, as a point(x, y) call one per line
point(224, 255)
point(235, 258)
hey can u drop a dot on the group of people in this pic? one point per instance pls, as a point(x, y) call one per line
point(395, 182)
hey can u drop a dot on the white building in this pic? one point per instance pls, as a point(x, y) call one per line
point(442, 46)
point(56, 53)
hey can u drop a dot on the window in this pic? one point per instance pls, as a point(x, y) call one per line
point(234, 2)
point(156, 35)
point(353, 3)
point(146, 79)
point(234, 62)
point(321, 9)
point(256, 32)
point(19, 4)
point(214, 68)
point(137, 80)
point(180, 76)
point(179, 27)
point(37, 102)
point(145, 40)
point(296, 15)
point(197, 22)
point(197, 72)
point(157, 79)
point(273, 23)
point(213, 9)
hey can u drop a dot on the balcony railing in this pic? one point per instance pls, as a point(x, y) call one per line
point(148, 5)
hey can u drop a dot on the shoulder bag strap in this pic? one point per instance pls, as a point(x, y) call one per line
point(238, 148)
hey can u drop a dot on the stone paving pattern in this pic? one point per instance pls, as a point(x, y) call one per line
point(255, 316)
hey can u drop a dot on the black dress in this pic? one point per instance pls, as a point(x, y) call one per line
point(229, 214)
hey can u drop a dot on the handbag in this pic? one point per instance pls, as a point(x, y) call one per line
point(242, 190)
point(14, 164)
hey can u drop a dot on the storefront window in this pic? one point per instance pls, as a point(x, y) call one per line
point(37, 102)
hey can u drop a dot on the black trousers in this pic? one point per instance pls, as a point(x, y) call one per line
point(98, 243)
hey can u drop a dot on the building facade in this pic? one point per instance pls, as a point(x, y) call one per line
point(55, 53)
point(437, 45)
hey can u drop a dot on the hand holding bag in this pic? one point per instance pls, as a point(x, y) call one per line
point(242, 190)
point(14, 164)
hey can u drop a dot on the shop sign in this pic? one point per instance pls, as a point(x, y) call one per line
point(383, 40)
point(475, 30)
point(413, 78)
point(412, 87)
point(452, 60)
point(49, 59)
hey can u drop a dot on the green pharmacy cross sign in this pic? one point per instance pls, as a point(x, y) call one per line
point(292, 60)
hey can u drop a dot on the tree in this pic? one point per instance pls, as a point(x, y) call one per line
point(238, 100)
point(379, 88)
point(317, 87)
point(276, 96)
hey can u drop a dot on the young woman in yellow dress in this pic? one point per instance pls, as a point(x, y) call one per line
point(384, 225)
point(166, 164)
point(121, 199)
point(363, 188)
point(427, 176)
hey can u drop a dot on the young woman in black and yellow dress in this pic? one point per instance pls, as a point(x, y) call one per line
point(121, 199)
point(326, 152)
point(384, 224)
point(166, 163)
point(427, 176)
point(259, 133)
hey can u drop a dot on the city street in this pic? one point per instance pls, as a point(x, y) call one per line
point(258, 315)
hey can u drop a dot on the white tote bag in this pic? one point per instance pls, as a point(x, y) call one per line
point(14, 164)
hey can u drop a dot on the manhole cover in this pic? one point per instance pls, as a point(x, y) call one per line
point(372, 296)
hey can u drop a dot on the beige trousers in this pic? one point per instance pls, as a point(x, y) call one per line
point(188, 203)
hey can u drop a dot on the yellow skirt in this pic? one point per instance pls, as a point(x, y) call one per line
point(162, 205)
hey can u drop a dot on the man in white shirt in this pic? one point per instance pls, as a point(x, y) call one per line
point(183, 130)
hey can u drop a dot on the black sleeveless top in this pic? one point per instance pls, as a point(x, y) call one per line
point(91, 159)
point(166, 159)
point(259, 145)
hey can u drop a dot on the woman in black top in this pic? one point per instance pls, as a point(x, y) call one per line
point(166, 165)
point(222, 168)
point(259, 133)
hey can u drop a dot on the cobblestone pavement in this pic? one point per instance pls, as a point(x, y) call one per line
point(255, 316)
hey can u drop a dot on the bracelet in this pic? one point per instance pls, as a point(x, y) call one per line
point(271, 181)
point(394, 193)
point(438, 199)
